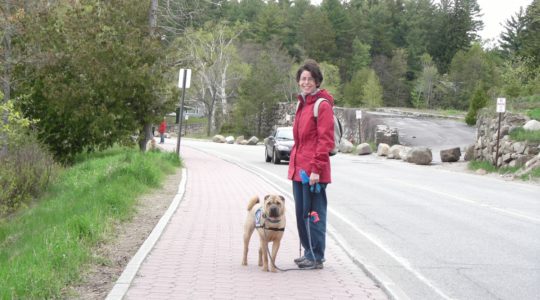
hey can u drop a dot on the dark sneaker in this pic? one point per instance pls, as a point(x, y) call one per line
point(299, 260)
point(309, 264)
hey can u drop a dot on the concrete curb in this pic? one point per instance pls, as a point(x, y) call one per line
point(124, 281)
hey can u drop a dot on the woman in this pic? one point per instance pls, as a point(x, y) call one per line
point(313, 140)
point(162, 130)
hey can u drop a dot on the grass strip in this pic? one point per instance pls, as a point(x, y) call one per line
point(45, 248)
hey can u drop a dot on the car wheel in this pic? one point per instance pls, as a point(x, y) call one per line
point(267, 158)
point(275, 159)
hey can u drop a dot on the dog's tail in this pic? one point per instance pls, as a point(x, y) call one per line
point(252, 202)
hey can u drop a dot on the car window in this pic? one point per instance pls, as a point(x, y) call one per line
point(284, 134)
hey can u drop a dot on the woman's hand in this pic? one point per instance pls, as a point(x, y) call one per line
point(313, 178)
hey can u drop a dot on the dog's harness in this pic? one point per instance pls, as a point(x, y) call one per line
point(261, 219)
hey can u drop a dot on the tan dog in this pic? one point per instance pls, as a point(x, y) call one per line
point(269, 220)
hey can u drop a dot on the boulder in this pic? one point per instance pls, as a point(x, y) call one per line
point(383, 149)
point(398, 152)
point(345, 146)
point(450, 155)
point(218, 139)
point(253, 140)
point(386, 135)
point(420, 156)
point(532, 125)
point(239, 139)
point(364, 149)
point(229, 139)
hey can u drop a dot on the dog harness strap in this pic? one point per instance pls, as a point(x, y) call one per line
point(274, 229)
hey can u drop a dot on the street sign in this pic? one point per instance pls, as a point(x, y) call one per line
point(181, 78)
point(501, 105)
point(358, 114)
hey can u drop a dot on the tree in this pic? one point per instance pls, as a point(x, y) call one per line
point(372, 92)
point(360, 56)
point(425, 84)
point(319, 44)
point(511, 38)
point(478, 101)
point(458, 21)
point(213, 56)
point(531, 34)
point(353, 90)
point(95, 85)
point(259, 93)
point(468, 69)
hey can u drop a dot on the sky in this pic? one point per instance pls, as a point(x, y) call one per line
point(495, 13)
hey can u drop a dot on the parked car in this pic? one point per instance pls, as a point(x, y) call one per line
point(277, 147)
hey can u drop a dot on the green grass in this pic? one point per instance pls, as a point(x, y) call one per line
point(46, 247)
point(520, 134)
point(534, 113)
point(490, 168)
point(534, 174)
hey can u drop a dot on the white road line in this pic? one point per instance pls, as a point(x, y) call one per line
point(469, 201)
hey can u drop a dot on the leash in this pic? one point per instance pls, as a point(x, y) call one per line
point(299, 249)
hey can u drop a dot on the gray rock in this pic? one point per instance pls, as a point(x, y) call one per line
point(345, 146)
point(383, 149)
point(532, 125)
point(450, 155)
point(364, 149)
point(229, 139)
point(253, 140)
point(420, 156)
point(218, 139)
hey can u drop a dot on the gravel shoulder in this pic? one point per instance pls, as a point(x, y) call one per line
point(111, 257)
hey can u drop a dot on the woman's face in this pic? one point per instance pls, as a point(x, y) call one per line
point(307, 83)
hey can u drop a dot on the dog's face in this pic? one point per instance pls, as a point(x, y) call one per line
point(274, 206)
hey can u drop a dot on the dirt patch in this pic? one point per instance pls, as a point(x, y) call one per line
point(112, 256)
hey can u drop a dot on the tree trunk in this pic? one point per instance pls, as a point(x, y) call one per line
point(6, 87)
point(152, 17)
point(145, 136)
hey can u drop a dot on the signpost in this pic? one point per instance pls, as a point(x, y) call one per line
point(184, 80)
point(501, 108)
point(359, 118)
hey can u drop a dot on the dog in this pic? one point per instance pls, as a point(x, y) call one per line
point(269, 220)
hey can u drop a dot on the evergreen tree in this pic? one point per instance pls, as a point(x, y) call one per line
point(511, 38)
point(479, 100)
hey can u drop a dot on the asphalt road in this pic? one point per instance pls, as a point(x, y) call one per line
point(424, 232)
point(435, 133)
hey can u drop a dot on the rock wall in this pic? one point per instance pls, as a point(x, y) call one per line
point(511, 153)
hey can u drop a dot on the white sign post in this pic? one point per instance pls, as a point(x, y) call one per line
point(501, 108)
point(359, 118)
point(184, 80)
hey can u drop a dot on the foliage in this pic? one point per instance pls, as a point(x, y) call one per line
point(332, 81)
point(96, 84)
point(468, 69)
point(26, 172)
point(259, 94)
point(13, 130)
point(534, 113)
point(353, 90)
point(478, 101)
point(424, 92)
point(372, 91)
point(46, 247)
point(511, 43)
point(520, 134)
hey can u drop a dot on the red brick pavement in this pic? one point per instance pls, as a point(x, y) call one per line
point(198, 255)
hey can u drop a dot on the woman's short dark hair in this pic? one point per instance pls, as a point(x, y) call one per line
point(312, 67)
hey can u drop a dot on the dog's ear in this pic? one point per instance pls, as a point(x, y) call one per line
point(266, 197)
point(282, 198)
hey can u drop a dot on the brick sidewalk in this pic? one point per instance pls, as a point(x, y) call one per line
point(199, 253)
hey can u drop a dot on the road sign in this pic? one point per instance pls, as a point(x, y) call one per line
point(181, 78)
point(501, 105)
point(358, 114)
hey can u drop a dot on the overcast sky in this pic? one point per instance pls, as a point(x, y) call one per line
point(495, 13)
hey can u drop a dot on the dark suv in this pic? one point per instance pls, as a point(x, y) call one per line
point(277, 147)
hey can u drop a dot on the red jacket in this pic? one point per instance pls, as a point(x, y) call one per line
point(162, 127)
point(312, 139)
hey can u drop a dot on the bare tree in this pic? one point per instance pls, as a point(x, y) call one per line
point(213, 56)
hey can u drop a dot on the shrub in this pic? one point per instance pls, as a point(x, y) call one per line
point(478, 101)
point(26, 171)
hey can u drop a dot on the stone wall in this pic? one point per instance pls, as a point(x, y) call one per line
point(511, 153)
point(347, 117)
